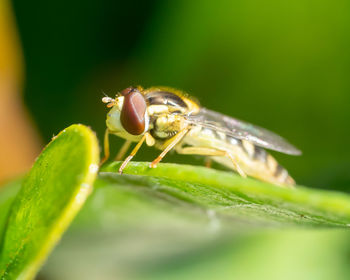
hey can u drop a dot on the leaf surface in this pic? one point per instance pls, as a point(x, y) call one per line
point(51, 195)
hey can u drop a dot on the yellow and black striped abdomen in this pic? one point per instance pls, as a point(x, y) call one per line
point(253, 160)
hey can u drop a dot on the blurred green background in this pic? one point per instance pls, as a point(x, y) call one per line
point(283, 65)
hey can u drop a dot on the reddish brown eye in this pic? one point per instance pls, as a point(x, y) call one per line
point(128, 90)
point(132, 115)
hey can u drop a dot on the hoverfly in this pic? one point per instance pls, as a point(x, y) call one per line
point(170, 119)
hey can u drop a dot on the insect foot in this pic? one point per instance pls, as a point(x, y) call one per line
point(153, 165)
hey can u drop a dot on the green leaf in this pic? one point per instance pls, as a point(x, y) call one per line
point(232, 195)
point(187, 222)
point(7, 195)
point(51, 195)
point(178, 212)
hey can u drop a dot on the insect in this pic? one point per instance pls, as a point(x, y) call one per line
point(169, 119)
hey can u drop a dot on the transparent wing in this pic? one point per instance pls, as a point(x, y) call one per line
point(242, 130)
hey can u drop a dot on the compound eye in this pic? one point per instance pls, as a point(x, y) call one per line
point(132, 115)
point(127, 91)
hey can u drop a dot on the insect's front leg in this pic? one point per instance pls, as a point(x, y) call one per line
point(133, 153)
point(105, 147)
point(123, 150)
point(150, 141)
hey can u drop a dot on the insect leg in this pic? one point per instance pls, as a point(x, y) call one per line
point(172, 143)
point(132, 154)
point(208, 162)
point(204, 151)
point(123, 150)
point(105, 147)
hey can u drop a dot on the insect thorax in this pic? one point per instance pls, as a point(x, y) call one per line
point(166, 111)
point(165, 126)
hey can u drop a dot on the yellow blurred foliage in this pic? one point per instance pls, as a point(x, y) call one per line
point(10, 53)
point(19, 143)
